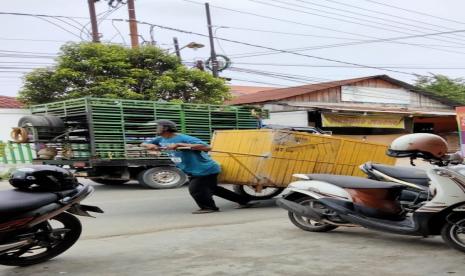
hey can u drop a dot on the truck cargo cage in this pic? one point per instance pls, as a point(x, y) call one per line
point(111, 129)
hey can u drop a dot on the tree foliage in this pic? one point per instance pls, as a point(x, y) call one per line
point(449, 88)
point(113, 71)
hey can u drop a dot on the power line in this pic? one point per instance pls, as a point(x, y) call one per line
point(301, 49)
point(60, 27)
point(286, 33)
point(346, 66)
point(377, 17)
point(272, 75)
point(33, 40)
point(118, 32)
point(11, 51)
point(43, 15)
point(293, 76)
point(298, 23)
point(56, 17)
point(259, 82)
point(321, 36)
point(348, 21)
point(417, 12)
point(277, 50)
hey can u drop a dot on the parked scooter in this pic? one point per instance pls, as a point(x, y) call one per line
point(36, 221)
point(321, 203)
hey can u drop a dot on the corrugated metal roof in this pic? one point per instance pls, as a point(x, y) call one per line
point(283, 93)
point(10, 102)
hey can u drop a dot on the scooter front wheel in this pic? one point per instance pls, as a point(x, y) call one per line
point(308, 224)
point(454, 234)
point(51, 238)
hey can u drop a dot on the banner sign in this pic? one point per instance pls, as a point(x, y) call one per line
point(461, 123)
point(361, 94)
point(367, 121)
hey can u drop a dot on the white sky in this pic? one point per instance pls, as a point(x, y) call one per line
point(184, 15)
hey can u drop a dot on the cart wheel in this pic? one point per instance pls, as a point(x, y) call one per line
point(249, 191)
point(162, 178)
point(109, 181)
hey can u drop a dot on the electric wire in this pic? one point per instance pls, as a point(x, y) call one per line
point(422, 27)
point(357, 23)
point(299, 23)
point(277, 50)
point(417, 12)
point(345, 66)
point(259, 82)
point(252, 54)
point(118, 32)
point(33, 40)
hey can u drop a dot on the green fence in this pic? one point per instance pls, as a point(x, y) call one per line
point(12, 153)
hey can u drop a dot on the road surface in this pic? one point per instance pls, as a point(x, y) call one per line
point(151, 232)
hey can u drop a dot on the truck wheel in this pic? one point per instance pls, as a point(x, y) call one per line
point(249, 192)
point(109, 181)
point(162, 178)
point(54, 121)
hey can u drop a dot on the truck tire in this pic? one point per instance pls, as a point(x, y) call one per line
point(54, 121)
point(162, 178)
point(266, 193)
point(33, 120)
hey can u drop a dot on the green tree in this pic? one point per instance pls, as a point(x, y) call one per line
point(449, 88)
point(113, 71)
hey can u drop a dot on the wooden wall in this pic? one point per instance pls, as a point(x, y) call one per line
point(333, 95)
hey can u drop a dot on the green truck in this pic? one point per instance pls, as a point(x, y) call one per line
point(99, 138)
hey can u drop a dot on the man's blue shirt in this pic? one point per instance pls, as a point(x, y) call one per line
point(193, 162)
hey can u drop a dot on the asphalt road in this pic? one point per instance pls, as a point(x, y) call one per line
point(151, 232)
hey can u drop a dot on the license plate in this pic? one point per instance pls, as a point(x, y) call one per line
point(176, 159)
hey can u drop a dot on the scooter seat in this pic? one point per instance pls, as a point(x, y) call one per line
point(354, 182)
point(15, 201)
point(412, 175)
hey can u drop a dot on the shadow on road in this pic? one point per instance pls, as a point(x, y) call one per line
point(126, 186)
point(373, 237)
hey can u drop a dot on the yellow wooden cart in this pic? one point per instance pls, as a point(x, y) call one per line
point(261, 162)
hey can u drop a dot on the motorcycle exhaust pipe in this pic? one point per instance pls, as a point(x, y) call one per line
point(298, 209)
point(9, 246)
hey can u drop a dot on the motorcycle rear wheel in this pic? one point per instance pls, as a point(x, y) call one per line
point(453, 234)
point(51, 240)
point(308, 224)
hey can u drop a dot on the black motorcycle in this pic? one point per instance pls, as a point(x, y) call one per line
point(36, 221)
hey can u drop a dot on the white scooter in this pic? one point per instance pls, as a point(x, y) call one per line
point(320, 203)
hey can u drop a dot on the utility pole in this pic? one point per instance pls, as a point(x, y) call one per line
point(93, 21)
point(214, 61)
point(176, 47)
point(133, 24)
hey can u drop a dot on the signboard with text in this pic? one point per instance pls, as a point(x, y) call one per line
point(385, 121)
